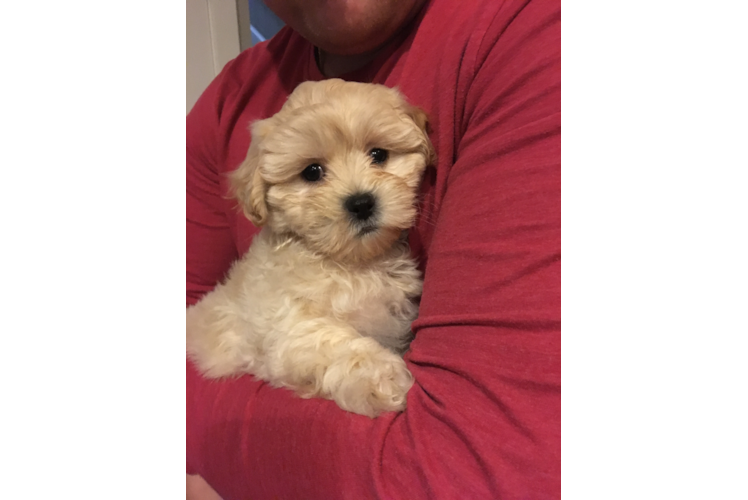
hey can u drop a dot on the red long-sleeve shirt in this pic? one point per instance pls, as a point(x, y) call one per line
point(483, 418)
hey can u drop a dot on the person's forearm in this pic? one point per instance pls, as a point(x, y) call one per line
point(198, 489)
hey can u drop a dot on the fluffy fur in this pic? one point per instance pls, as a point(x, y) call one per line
point(322, 302)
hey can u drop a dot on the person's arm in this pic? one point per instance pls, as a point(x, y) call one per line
point(483, 418)
point(210, 243)
point(198, 489)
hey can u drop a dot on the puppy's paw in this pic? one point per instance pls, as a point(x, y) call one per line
point(369, 379)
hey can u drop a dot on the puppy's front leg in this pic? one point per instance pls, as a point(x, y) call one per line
point(220, 339)
point(329, 359)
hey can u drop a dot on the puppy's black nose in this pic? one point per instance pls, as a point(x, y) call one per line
point(360, 205)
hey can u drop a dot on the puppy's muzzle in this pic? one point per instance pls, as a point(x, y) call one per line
point(361, 206)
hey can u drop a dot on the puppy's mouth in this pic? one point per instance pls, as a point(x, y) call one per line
point(368, 229)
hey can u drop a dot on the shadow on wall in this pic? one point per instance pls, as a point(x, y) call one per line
point(263, 23)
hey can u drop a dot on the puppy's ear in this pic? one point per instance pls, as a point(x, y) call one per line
point(247, 185)
point(419, 116)
point(421, 119)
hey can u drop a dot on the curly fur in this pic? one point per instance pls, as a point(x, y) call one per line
point(317, 304)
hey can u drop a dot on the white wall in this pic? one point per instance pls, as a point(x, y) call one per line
point(217, 30)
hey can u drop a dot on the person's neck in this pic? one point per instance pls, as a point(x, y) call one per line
point(334, 65)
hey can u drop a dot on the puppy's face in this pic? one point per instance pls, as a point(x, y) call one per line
point(338, 166)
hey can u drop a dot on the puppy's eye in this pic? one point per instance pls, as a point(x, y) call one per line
point(378, 155)
point(313, 172)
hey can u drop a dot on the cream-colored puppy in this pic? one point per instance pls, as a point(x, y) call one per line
point(323, 300)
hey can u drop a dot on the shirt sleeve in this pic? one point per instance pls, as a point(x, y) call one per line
point(210, 243)
point(483, 418)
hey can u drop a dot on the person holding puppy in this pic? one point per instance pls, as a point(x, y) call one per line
point(483, 416)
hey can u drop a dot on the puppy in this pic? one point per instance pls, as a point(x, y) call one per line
point(323, 300)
